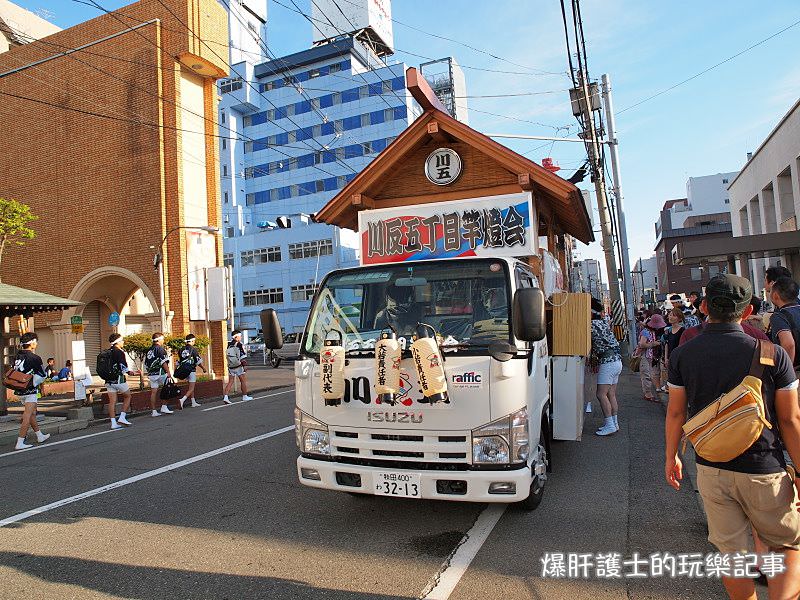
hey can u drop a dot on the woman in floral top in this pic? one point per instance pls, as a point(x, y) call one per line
point(605, 350)
point(649, 370)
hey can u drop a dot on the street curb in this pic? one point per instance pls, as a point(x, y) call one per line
point(104, 420)
point(65, 426)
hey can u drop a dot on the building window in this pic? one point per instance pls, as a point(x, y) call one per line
point(224, 143)
point(225, 197)
point(231, 85)
point(248, 147)
point(229, 232)
point(319, 185)
point(227, 259)
point(713, 271)
point(724, 181)
point(224, 170)
point(310, 249)
point(316, 131)
point(317, 158)
point(386, 87)
point(696, 274)
point(388, 115)
point(336, 98)
point(268, 296)
point(727, 200)
point(335, 68)
point(341, 181)
point(303, 293)
point(365, 119)
point(261, 256)
point(368, 148)
point(363, 92)
point(222, 116)
point(313, 73)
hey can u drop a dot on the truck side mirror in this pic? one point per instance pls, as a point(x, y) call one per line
point(528, 316)
point(271, 329)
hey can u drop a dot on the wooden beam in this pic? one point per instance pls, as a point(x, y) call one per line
point(421, 91)
point(437, 134)
point(362, 201)
point(526, 182)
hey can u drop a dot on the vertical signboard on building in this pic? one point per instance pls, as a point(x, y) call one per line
point(201, 254)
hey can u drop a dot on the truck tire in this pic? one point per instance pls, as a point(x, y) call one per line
point(536, 493)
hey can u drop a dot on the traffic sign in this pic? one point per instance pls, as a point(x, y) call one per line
point(77, 327)
point(76, 320)
point(113, 319)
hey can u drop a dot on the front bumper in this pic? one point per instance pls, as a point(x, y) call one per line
point(477, 482)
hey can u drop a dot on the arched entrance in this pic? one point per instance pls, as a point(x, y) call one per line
point(102, 292)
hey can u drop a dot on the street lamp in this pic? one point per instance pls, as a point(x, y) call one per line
point(158, 263)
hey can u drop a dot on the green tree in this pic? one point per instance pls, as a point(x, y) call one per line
point(14, 219)
point(137, 345)
point(177, 342)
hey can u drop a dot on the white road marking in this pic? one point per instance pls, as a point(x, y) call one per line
point(243, 401)
point(446, 580)
point(146, 475)
point(51, 444)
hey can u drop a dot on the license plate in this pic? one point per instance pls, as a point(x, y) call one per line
point(398, 484)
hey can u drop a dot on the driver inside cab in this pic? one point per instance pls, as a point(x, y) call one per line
point(402, 311)
point(493, 313)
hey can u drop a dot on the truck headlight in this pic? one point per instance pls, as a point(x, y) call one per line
point(311, 435)
point(502, 441)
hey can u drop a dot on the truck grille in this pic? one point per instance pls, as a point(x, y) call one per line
point(404, 447)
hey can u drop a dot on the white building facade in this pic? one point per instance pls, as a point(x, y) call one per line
point(765, 197)
point(645, 280)
point(308, 123)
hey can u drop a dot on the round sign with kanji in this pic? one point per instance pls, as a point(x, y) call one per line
point(443, 166)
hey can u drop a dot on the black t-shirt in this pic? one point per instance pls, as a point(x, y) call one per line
point(713, 364)
point(30, 363)
point(672, 339)
point(781, 321)
point(155, 359)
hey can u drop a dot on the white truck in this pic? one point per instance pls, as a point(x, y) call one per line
point(487, 441)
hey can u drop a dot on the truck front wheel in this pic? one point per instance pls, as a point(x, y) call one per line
point(536, 493)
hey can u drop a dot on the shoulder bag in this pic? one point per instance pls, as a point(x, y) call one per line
point(732, 423)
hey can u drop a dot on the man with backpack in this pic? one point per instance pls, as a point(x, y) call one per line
point(753, 486)
point(112, 366)
point(189, 360)
point(237, 366)
point(784, 325)
point(29, 364)
point(156, 362)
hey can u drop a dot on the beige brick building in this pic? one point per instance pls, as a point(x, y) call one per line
point(114, 146)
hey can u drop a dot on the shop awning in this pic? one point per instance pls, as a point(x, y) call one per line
point(19, 301)
point(764, 245)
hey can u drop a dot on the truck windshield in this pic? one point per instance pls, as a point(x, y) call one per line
point(467, 302)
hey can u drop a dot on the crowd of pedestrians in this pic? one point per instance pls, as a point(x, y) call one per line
point(732, 384)
point(114, 369)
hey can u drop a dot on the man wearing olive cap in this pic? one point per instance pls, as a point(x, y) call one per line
point(754, 487)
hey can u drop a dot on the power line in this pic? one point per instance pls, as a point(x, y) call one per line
point(441, 37)
point(420, 55)
point(711, 68)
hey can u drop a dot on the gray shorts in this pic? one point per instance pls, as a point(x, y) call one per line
point(237, 371)
point(156, 381)
point(119, 388)
point(29, 399)
point(192, 377)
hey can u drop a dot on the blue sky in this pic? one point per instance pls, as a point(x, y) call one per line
point(705, 126)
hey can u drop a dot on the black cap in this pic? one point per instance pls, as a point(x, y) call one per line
point(728, 293)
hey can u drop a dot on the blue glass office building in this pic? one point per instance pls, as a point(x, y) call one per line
point(305, 125)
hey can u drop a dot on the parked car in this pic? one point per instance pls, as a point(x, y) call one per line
point(291, 346)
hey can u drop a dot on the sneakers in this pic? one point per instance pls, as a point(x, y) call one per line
point(155, 413)
point(195, 404)
point(21, 445)
point(226, 400)
point(608, 427)
point(122, 420)
point(115, 425)
point(246, 398)
point(588, 408)
point(181, 401)
point(165, 410)
point(616, 421)
point(42, 437)
point(663, 389)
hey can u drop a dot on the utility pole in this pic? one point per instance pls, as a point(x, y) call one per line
point(622, 230)
point(640, 272)
point(602, 200)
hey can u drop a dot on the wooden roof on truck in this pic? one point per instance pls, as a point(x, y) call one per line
point(397, 176)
